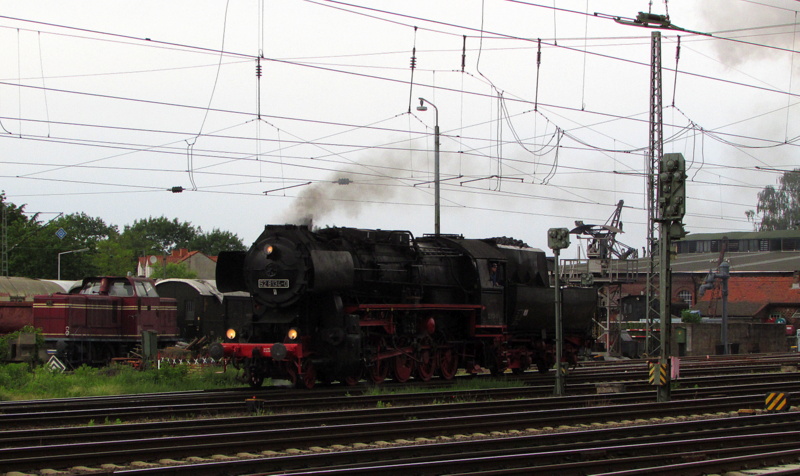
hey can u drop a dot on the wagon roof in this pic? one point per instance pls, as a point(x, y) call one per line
point(25, 288)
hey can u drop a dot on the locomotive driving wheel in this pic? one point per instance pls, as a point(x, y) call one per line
point(426, 365)
point(378, 368)
point(403, 367)
point(308, 375)
point(353, 379)
point(448, 363)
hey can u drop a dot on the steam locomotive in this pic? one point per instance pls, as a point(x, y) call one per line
point(345, 304)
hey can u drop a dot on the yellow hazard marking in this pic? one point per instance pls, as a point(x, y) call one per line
point(657, 374)
point(776, 402)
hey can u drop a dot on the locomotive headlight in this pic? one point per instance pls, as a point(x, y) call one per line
point(231, 334)
point(269, 249)
point(292, 334)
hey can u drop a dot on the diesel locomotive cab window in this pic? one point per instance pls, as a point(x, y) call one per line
point(91, 287)
point(121, 288)
point(145, 289)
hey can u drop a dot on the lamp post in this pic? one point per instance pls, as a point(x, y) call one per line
point(437, 216)
point(67, 252)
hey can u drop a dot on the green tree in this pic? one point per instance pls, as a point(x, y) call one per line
point(159, 235)
point(174, 270)
point(779, 209)
point(113, 258)
point(82, 233)
point(21, 231)
point(216, 240)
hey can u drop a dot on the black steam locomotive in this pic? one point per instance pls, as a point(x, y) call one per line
point(345, 304)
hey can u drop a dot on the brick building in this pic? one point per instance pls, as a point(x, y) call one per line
point(764, 286)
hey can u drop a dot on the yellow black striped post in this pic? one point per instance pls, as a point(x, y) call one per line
point(563, 368)
point(657, 374)
point(776, 402)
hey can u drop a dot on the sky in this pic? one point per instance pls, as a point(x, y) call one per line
point(105, 107)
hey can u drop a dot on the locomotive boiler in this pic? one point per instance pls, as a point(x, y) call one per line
point(345, 304)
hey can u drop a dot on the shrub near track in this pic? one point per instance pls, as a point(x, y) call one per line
point(20, 382)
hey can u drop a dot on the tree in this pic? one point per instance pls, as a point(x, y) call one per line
point(779, 208)
point(159, 235)
point(81, 232)
point(174, 270)
point(216, 240)
point(113, 258)
point(20, 235)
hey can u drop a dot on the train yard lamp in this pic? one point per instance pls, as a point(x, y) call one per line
point(436, 215)
point(557, 240)
point(67, 252)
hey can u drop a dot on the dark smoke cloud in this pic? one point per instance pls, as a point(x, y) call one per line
point(351, 190)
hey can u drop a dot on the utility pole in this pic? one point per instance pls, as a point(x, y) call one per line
point(652, 313)
point(668, 215)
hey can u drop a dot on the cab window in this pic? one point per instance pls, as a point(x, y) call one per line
point(121, 288)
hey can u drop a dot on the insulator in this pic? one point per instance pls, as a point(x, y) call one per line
point(539, 53)
point(258, 70)
point(464, 54)
point(413, 62)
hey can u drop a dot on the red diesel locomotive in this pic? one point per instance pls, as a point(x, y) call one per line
point(104, 319)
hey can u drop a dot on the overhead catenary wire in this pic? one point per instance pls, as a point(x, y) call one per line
point(498, 118)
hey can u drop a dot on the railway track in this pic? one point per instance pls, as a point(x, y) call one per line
point(404, 417)
point(692, 447)
point(27, 450)
point(97, 411)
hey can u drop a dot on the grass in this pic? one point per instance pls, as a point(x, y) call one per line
point(20, 382)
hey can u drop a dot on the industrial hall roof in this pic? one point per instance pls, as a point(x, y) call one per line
point(783, 262)
point(751, 262)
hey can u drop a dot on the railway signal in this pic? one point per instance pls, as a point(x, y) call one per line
point(672, 187)
point(558, 239)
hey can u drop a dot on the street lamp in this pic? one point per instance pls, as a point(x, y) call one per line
point(66, 252)
point(437, 216)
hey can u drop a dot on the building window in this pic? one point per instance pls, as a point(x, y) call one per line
point(685, 296)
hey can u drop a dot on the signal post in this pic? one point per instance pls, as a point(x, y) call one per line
point(671, 209)
point(557, 240)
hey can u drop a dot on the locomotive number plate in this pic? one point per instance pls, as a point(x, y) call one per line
point(273, 283)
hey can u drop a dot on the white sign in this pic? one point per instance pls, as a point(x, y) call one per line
point(55, 365)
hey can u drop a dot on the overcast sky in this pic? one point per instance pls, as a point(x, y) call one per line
point(106, 106)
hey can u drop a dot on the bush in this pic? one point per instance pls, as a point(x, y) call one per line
point(690, 316)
